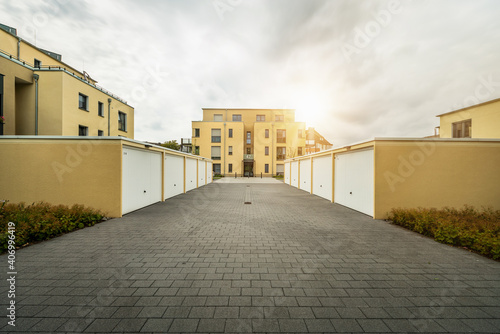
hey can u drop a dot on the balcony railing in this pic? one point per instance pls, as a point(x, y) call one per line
point(215, 139)
point(216, 158)
point(248, 156)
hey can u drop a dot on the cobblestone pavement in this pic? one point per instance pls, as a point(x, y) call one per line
point(288, 262)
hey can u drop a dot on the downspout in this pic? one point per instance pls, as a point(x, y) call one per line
point(224, 150)
point(272, 147)
point(109, 117)
point(36, 77)
point(19, 48)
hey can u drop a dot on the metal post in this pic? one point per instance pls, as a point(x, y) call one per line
point(36, 77)
point(261, 175)
point(109, 117)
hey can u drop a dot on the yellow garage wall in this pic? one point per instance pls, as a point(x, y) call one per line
point(436, 174)
point(485, 120)
point(62, 172)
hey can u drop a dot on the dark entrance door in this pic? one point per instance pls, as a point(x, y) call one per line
point(248, 169)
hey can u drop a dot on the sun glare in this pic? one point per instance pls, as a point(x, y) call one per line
point(310, 108)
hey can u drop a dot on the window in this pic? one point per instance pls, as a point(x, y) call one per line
point(249, 137)
point(230, 150)
point(230, 168)
point(196, 150)
point(216, 168)
point(218, 118)
point(280, 118)
point(266, 168)
point(196, 133)
point(266, 149)
point(261, 118)
point(236, 118)
point(83, 130)
point(38, 63)
point(83, 101)
point(462, 129)
point(267, 133)
point(215, 152)
point(100, 133)
point(249, 150)
point(122, 121)
point(100, 109)
point(299, 151)
point(280, 153)
point(230, 133)
point(216, 135)
point(300, 133)
point(281, 136)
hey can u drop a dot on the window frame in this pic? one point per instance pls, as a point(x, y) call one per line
point(281, 139)
point(249, 138)
point(236, 118)
point(282, 155)
point(221, 118)
point(122, 124)
point(266, 150)
point(216, 139)
point(100, 108)
point(229, 150)
point(266, 168)
point(85, 128)
point(230, 134)
point(261, 118)
point(229, 168)
point(100, 133)
point(86, 102)
point(37, 63)
point(215, 157)
point(279, 118)
point(196, 133)
point(266, 133)
point(463, 126)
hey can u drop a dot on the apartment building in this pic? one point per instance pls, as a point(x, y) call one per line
point(248, 142)
point(41, 95)
point(477, 121)
point(315, 142)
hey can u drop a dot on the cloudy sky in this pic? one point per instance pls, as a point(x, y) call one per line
point(352, 69)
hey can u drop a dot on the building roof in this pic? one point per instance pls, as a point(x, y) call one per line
point(473, 106)
point(246, 109)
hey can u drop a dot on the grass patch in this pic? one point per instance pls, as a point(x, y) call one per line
point(42, 221)
point(476, 230)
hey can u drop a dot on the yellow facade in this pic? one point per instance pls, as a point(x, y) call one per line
point(248, 139)
point(41, 96)
point(484, 121)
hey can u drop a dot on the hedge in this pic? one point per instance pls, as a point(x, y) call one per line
point(42, 221)
point(470, 228)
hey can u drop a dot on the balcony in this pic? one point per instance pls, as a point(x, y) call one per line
point(216, 158)
point(248, 157)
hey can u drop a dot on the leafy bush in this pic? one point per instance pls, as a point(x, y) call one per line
point(42, 221)
point(468, 227)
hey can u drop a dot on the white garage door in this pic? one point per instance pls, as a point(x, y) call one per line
point(287, 173)
point(201, 173)
point(322, 177)
point(354, 186)
point(191, 174)
point(305, 175)
point(295, 174)
point(174, 176)
point(141, 179)
point(209, 172)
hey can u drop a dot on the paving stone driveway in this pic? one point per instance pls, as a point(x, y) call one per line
point(289, 262)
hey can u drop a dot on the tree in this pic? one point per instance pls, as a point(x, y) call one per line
point(171, 144)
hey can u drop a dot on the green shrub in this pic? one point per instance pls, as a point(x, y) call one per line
point(468, 227)
point(42, 221)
